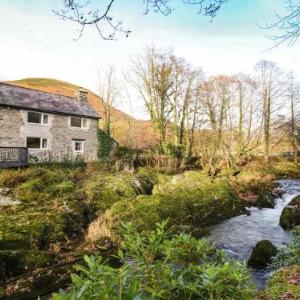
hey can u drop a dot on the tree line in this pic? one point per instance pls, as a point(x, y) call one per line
point(220, 119)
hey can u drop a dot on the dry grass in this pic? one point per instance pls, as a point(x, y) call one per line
point(101, 228)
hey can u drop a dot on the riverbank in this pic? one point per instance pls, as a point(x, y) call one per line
point(56, 215)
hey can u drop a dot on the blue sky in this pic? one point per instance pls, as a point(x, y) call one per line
point(35, 43)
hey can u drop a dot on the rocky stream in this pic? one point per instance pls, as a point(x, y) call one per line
point(239, 235)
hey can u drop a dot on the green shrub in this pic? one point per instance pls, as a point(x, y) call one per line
point(61, 188)
point(157, 266)
point(284, 284)
point(106, 144)
point(289, 255)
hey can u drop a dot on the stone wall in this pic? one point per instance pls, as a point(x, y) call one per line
point(63, 134)
point(14, 129)
point(10, 122)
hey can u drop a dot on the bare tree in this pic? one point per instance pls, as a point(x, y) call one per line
point(294, 97)
point(196, 118)
point(215, 104)
point(82, 13)
point(288, 25)
point(108, 91)
point(184, 79)
point(271, 89)
point(152, 78)
point(245, 108)
point(288, 122)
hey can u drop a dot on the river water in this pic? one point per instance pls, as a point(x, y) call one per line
point(238, 235)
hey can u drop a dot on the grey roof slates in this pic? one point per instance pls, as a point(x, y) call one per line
point(15, 96)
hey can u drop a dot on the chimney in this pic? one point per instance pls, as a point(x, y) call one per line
point(81, 95)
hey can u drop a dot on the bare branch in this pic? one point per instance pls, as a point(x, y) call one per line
point(288, 25)
point(78, 11)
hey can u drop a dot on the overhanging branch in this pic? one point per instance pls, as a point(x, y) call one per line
point(78, 11)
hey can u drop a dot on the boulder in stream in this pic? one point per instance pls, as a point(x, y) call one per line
point(290, 216)
point(262, 254)
point(278, 192)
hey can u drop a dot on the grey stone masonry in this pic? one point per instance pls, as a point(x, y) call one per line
point(63, 135)
point(60, 135)
point(10, 122)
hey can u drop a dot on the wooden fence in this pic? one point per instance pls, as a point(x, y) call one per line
point(13, 157)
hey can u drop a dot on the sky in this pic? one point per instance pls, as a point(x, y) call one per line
point(36, 43)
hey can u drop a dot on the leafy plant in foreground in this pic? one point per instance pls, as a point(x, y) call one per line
point(160, 266)
point(290, 255)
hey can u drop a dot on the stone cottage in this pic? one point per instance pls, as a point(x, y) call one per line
point(51, 126)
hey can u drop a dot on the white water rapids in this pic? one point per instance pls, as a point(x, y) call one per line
point(238, 235)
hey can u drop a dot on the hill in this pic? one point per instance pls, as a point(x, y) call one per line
point(128, 131)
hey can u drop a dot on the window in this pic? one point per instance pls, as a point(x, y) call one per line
point(76, 122)
point(37, 118)
point(45, 119)
point(33, 143)
point(84, 123)
point(78, 146)
point(79, 122)
point(36, 143)
point(44, 143)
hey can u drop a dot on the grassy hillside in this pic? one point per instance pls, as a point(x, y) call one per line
point(126, 130)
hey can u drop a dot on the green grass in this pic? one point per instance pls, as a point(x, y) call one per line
point(284, 284)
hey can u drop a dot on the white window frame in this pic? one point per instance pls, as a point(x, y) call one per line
point(82, 121)
point(41, 143)
point(42, 118)
point(74, 146)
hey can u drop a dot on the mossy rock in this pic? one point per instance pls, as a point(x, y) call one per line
point(256, 187)
point(183, 202)
point(290, 216)
point(266, 200)
point(103, 190)
point(17, 262)
point(37, 229)
point(144, 181)
point(53, 208)
point(262, 254)
point(187, 180)
point(284, 284)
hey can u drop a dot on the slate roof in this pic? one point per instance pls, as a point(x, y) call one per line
point(25, 98)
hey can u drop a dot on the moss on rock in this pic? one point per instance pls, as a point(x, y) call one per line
point(290, 216)
point(190, 199)
point(103, 190)
point(262, 254)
